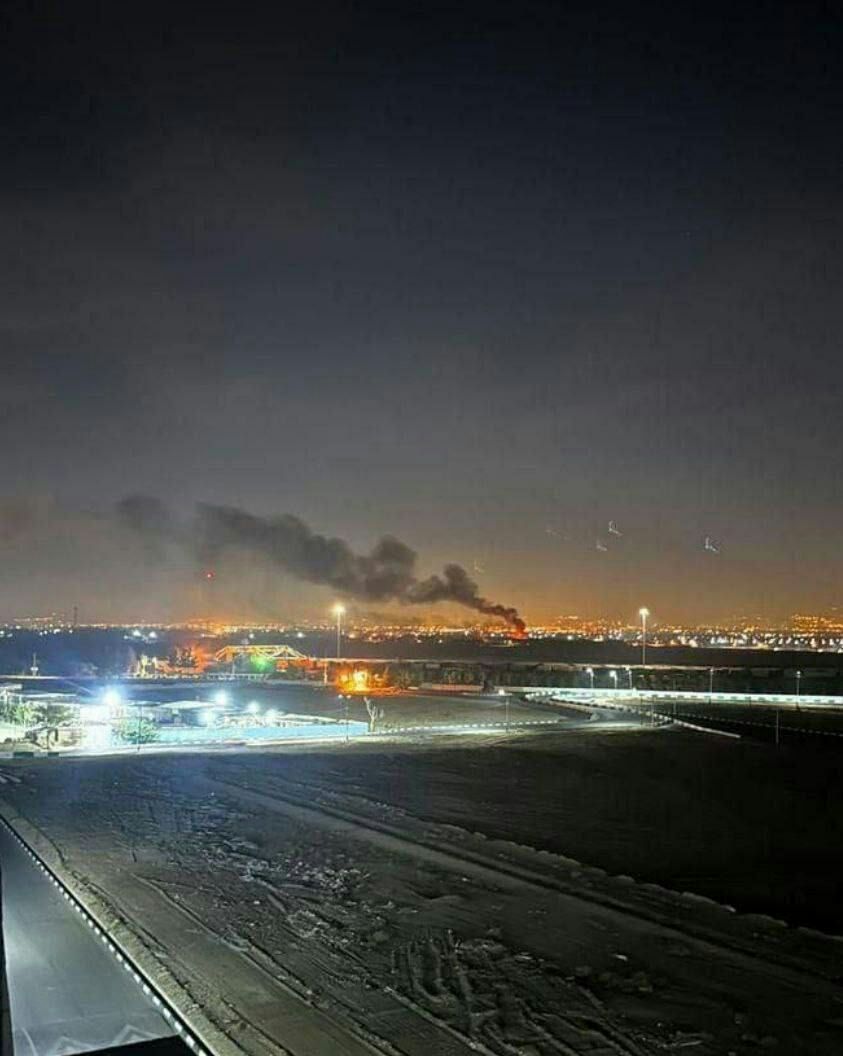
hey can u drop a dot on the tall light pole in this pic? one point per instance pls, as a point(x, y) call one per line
point(339, 612)
point(643, 613)
point(798, 682)
point(629, 676)
point(710, 684)
point(614, 677)
point(590, 672)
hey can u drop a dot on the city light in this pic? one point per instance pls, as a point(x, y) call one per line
point(112, 697)
point(253, 708)
point(221, 697)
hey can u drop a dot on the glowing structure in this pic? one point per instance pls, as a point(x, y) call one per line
point(262, 657)
point(355, 681)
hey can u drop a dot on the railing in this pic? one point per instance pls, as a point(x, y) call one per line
point(692, 696)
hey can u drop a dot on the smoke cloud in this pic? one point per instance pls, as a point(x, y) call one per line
point(455, 584)
point(386, 573)
point(150, 520)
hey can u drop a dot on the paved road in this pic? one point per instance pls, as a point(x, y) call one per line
point(67, 993)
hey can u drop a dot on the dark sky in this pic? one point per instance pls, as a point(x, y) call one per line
point(481, 276)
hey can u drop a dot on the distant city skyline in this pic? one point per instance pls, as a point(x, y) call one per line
point(357, 621)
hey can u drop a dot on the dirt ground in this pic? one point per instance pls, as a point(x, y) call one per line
point(743, 823)
point(416, 900)
point(399, 709)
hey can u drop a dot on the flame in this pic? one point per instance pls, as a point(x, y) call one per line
point(355, 681)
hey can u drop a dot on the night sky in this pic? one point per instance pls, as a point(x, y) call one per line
point(483, 277)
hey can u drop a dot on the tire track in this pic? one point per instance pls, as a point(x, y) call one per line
point(513, 876)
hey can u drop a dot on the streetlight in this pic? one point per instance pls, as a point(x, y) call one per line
point(590, 672)
point(221, 698)
point(643, 613)
point(339, 612)
point(113, 698)
point(798, 682)
point(614, 677)
point(710, 684)
point(629, 676)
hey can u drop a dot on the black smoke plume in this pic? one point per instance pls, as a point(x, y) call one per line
point(455, 584)
point(147, 516)
point(386, 573)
